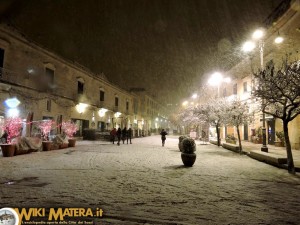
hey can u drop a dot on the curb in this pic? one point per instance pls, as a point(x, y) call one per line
point(271, 159)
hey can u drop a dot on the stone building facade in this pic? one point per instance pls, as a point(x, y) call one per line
point(50, 87)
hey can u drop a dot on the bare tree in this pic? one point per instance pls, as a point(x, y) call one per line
point(280, 91)
point(213, 113)
point(187, 117)
point(237, 113)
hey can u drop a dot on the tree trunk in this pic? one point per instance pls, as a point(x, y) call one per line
point(239, 138)
point(290, 161)
point(218, 134)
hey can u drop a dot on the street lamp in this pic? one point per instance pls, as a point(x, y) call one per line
point(216, 79)
point(185, 103)
point(249, 46)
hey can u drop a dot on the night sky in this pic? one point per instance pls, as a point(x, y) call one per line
point(167, 47)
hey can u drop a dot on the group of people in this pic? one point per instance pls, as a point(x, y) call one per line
point(127, 134)
point(121, 134)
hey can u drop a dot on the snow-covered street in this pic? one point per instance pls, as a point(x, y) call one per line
point(145, 183)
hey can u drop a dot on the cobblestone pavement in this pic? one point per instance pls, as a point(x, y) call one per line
point(145, 183)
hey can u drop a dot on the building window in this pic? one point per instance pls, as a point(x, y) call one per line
point(235, 89)
point(49, 105)
point(49, 75)
point(102, 96)
point(80, 86)
point(116, 101)
point(245, 86)
point(127, 105)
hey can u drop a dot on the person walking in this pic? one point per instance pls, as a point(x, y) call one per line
point(129, 133)
point(119, 132)
point(124, 134)
point(163, 134)
point(113, 134)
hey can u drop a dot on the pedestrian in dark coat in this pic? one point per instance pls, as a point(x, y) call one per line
point(163, 134)
point(113, 134)
point(119, 133)
point(124, 134)
point(129, 133)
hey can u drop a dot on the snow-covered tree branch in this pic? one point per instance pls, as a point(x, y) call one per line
point(280, 90)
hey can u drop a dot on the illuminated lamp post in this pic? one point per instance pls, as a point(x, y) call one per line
point(216, 79)
point(248, 47)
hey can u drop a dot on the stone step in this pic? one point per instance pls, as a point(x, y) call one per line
point(231, 147)
point(270, 158)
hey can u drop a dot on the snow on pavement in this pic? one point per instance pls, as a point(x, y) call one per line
point(145, 183)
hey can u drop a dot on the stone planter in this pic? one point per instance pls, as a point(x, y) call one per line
point(21, 152)
point(47, 145)
point(72, 142)
point(8, 150)
point(188, 159)
point(64, 145)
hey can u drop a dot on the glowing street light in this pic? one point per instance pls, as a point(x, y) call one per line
point(194, 96)
point(258, 34)
point(216, 79)
point(185, 103)
point(81, 107)
point(278, 40)
point(117, 114)
point(102, 112)
point(249, 46)
point(12, 102)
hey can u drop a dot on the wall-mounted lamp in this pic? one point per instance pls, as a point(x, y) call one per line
point(102, 112)
point(12, 102)
point(30, 71)
point(81, 107)
point(117, 114)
